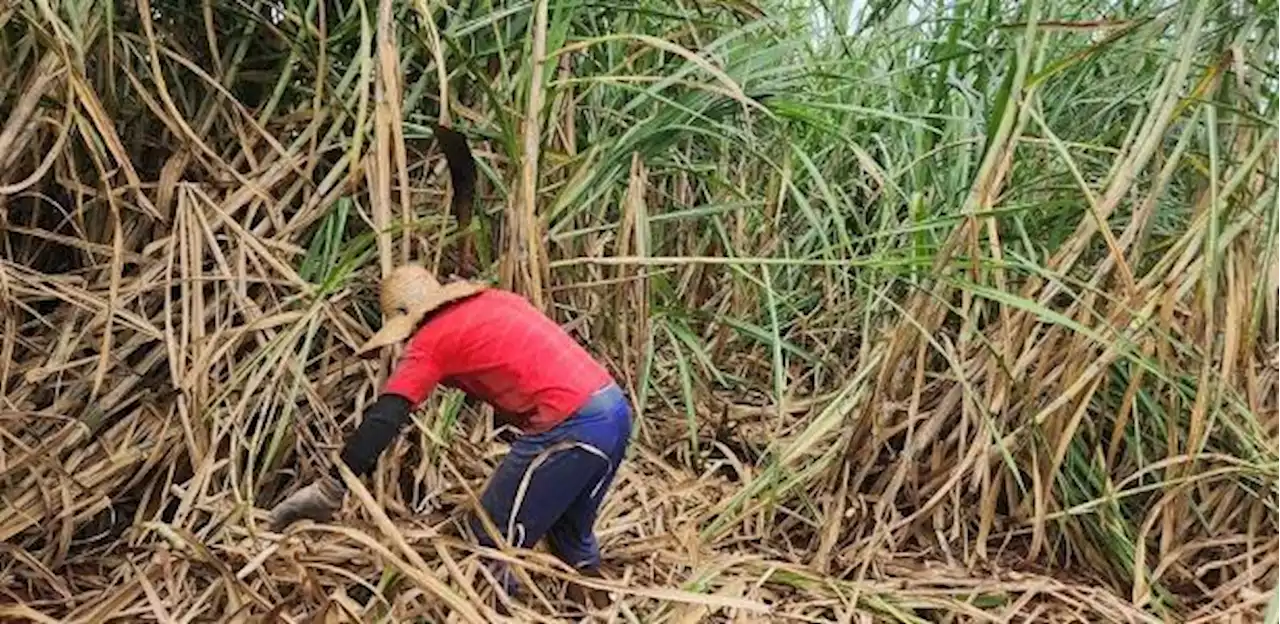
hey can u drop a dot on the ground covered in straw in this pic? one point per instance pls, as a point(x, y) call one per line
point(207, 558)
point(953, 313)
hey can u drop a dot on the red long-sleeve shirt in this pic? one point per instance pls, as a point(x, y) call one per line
point(497, 347)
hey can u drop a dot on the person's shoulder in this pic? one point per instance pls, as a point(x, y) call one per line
point(502, 297)
point(478, 307)
point(449, 317)
point(505, 306)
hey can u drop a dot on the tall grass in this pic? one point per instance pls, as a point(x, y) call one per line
point(931, 313)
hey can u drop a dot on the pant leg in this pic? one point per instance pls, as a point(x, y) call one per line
point(536, 482)
point(572, 537)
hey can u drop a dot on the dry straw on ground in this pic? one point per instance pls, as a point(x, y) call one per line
point(968, 317)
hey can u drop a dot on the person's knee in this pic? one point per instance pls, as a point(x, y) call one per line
point(496, 505)
point(480, 533)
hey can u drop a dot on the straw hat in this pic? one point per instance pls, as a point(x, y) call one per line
point(406, 296)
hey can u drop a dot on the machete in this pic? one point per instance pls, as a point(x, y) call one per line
point(462, 173)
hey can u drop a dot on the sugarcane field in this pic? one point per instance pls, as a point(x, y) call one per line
point(860, 311)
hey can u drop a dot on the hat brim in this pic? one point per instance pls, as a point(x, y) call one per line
point(395, 330)
point(454, 291)
point(400, 328)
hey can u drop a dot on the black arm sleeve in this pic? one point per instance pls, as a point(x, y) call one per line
point(382, 423)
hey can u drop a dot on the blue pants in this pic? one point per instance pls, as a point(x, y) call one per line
point(551, 484)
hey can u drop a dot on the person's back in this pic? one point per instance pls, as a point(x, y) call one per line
point(497, 347)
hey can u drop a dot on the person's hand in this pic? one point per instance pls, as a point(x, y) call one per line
point(318, 502)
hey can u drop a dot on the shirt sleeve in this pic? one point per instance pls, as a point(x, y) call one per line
point(415, 376)
point(418, 371)
point(382, 423)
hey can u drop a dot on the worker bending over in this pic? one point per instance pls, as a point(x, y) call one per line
point(575, 421)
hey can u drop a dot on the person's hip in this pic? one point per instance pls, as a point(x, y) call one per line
point(603, 420)
point(609, 402)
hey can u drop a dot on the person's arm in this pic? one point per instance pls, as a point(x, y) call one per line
point(416, 375)
point(382, 423)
